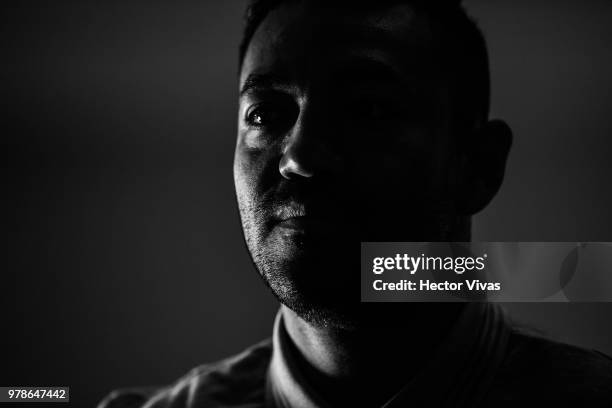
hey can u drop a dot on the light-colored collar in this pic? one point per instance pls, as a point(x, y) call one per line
point(458, 374)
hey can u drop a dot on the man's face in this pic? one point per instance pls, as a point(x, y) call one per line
point(343, 136)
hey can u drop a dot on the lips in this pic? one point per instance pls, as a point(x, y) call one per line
point(307, 219)
point(295, 223)
point(295, 217)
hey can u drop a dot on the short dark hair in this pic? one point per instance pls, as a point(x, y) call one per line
point(461, 49)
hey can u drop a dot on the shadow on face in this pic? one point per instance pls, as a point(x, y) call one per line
point(345, 134)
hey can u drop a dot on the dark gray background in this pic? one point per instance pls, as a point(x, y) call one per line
point(124, 263)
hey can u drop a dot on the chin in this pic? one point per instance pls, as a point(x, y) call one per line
point(323, 289)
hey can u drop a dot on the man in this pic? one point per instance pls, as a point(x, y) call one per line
point(368, 121)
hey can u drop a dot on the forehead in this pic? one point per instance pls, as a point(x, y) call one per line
point(303, 40)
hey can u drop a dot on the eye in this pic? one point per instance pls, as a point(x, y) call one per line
point(374, 110)
point(380, 111)
point(270, 115)
point(255, 116)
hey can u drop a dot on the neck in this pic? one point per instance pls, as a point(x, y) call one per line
point(368, 364)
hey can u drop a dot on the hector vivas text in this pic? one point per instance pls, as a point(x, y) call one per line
point(414, 264)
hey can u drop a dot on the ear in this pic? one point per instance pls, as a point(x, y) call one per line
point(482, 164)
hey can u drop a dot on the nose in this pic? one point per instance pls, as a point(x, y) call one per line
point(306, 151)
point(297, 159)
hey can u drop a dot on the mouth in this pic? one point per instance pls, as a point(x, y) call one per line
point(297, 223)
point(295, 218)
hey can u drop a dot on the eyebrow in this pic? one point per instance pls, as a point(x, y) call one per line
point(258, 82)
point(355, 69)
point(359, 69)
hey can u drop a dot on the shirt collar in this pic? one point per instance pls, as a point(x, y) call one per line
point(457, 375)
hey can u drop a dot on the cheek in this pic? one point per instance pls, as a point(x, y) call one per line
point(253, 177)
point(244, 181)
point(409, 169)
point(247, 198)
point(402, 158)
